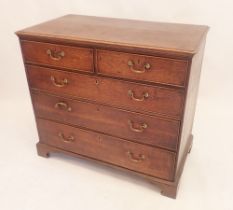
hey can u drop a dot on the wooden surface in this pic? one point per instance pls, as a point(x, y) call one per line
point(173, 38)
point(161, 70)
point(75, 58)
point(113, 92)
point(190, 102)
point(159, 132)
point(121, 92)
point(155, 162)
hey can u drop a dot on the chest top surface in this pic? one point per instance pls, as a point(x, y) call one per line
point(167, 37)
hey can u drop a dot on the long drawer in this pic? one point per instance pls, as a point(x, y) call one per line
point(124, 124)
point(148, 160)
point(127, 95)
point(56, 55)
point(142, 67)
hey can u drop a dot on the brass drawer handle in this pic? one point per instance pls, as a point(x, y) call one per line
point(63, 106)
point(55, 55)
point(134, 158)
point(59, 84)
point(141, 128)
point(146, 67)
point(144, 96)
point(68, 139)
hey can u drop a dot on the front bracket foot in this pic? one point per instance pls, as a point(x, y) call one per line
point(42, 150)
point(169, 191)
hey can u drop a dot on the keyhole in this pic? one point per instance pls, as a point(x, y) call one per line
point(96, 82)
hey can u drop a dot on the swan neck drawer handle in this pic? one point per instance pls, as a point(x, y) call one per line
point(68, 139)
point(135, 158)
point(63, 106)
point(131, 65)
point(55, 55)
point(144, 96)
point(61, 83)
point(141, 128)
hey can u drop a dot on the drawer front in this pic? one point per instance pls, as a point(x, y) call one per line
point(136, 127)
point(141, 158)
point(140, 67)
point(62, 56)
point(131, 96)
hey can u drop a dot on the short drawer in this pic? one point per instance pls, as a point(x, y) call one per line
point(137, 127)
point(148, 160)
point(130, 96)
point(55, 55)
point(141, 67)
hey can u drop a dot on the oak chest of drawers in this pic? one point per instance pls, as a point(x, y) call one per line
point(120, 92)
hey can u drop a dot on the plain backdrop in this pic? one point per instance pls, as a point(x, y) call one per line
point(29, 182)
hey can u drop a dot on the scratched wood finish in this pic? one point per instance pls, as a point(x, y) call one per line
point(159, 70)
point(137, 157)
point(159, 132)
point(88, 76)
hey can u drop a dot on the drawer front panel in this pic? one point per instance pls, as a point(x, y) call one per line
point(58, 55)
point(137, 127)
point(140, 67)
point(131, 96)
point(141, 158)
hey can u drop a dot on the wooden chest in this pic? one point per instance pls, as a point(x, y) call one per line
point(120, 92)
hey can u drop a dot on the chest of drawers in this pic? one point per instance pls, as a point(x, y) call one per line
point(118, 92)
